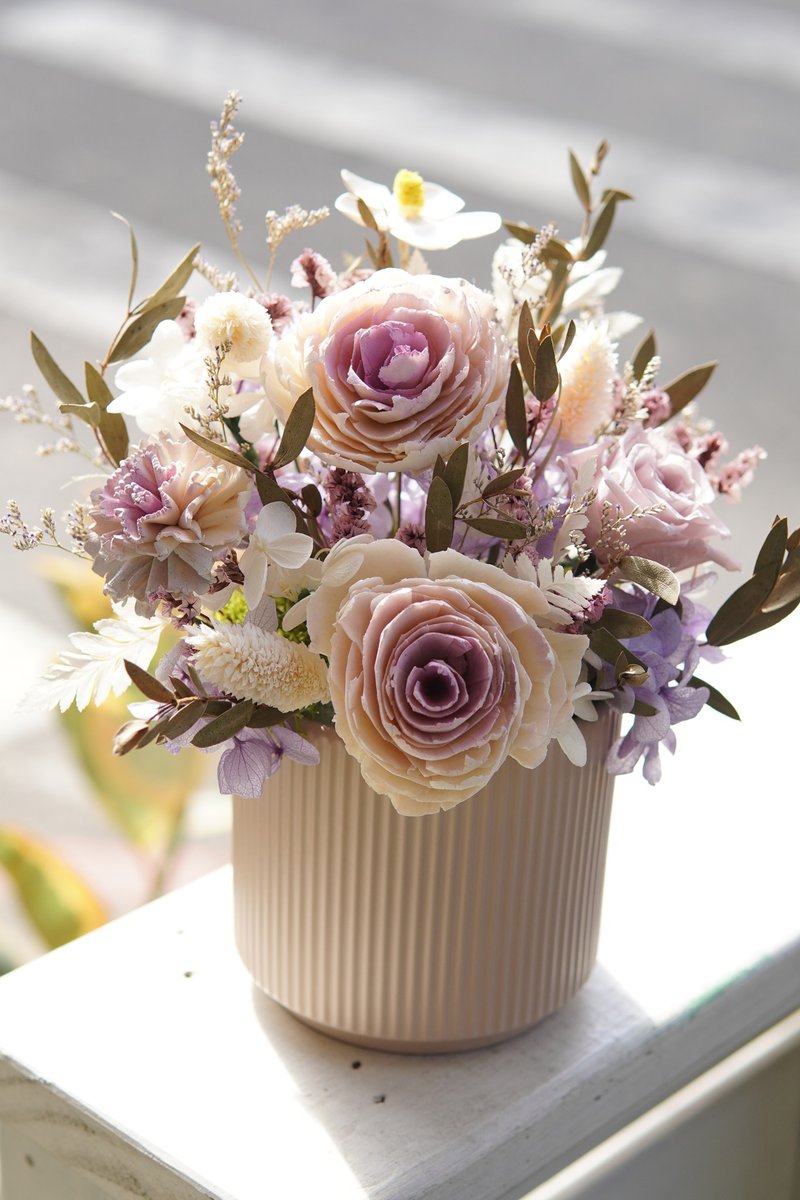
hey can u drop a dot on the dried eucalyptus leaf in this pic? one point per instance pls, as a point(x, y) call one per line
point(134, 256)
point(439, 467)
point(770, 556)
point(634, 675)
point(763, 620)
point(498, 527)
point(148, 685)
point(601, 228)
point(128, 736)
point(579, 182)
point(183, 719)
point(312, 499)
point(365, 212)
point(113, 430)
point(270, 491)
point(521, 231)
point(787, 589)
point(642, 709)
point(741, 608)
point(455, 473)
point(296, 430)
point(715, 700)
point(174, 283)
point(516, 415)
point(611, 650)
point(555, 249)
point(135, 336)
point(438, 517)
point(624, 624)
point(645, 352)
point(568, 339)
point(264, 716)
point(231, 722)
point(616, 192)
point(650, 575)
point(502, 483)
point(63, 387)
point(89, 413)
point(219, 450)
point(180, 689)
point(684, 389)
point(793, 541)
point(527, 344)
point(546, 371)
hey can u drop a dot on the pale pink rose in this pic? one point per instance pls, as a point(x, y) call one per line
point(404, 368)
point(648, 467)
point(438, 676)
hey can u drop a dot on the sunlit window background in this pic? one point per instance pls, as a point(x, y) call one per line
point(105, 105)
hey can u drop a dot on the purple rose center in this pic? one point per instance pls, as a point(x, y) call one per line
point(391, 358)
point(442, 680)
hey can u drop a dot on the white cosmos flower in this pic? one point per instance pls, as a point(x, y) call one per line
point(157, 387)
point(419, 213)
point(274, 541)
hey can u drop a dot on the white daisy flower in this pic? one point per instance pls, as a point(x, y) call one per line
point(419, 213)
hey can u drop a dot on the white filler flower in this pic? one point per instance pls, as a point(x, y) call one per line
point(273, 541)
point(419, 213)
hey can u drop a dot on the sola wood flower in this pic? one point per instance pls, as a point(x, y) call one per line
point(274, 540)
point(162, 518)
point(403, 368)
point(229, 318)
point(251, 663)
point(419, 213)
point(439, 671)
point(157, 388)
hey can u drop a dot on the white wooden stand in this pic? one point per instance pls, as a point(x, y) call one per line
point(140, 1061)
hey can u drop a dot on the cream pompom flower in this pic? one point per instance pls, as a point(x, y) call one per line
point(274, 541)
point(587, 382)
point(419, 213)
point(251, 663)
point(229, 318)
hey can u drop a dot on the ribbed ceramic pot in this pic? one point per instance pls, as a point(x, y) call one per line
point(423, 934)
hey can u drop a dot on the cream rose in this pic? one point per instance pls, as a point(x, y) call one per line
point(440, 672)
point(403, 368)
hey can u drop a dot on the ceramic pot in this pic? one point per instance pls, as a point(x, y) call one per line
point(423, 934)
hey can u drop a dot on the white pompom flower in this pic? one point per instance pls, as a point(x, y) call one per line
point(229, 318)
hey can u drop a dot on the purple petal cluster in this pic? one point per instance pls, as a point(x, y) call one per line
point(670, 652)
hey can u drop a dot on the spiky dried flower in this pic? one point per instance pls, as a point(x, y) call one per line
point(293, 218)
point(225, 141)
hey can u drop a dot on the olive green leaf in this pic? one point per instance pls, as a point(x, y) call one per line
point(684, 389)
point(501, 483)
point(645, 352)
point(438, 516)
point(296, 430)
point(63, 387)
point(579, 182)
point(228, 723)
point(365, 212)
point(135, 336)
point(505, 528)
point(147, 684)
point(623, 624)
point(134, 256)
point(715, 700)
point(516, 415)
point(455, 473)
point(111, 426)
point(174, 283)
point(546, 371)
point(568, 339)
point(521, 231)
point(601, 227)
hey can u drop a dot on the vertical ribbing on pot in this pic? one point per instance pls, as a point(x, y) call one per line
point(424, 933)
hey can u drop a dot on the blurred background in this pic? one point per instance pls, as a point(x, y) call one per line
point(105, 105)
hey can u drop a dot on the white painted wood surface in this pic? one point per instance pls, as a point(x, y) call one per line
point(142, 1059)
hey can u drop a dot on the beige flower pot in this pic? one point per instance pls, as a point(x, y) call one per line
point(423, 934)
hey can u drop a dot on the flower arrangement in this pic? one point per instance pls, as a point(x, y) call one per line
point(451, 523)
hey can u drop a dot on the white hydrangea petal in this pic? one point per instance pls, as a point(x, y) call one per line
point(290, 551)
point(275, 520)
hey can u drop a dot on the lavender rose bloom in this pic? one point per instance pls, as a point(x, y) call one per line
point(403, 368)
point(162, 519)
point(645, 468)
point(438, 676)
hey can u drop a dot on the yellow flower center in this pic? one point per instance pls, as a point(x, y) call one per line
point(409, 192)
